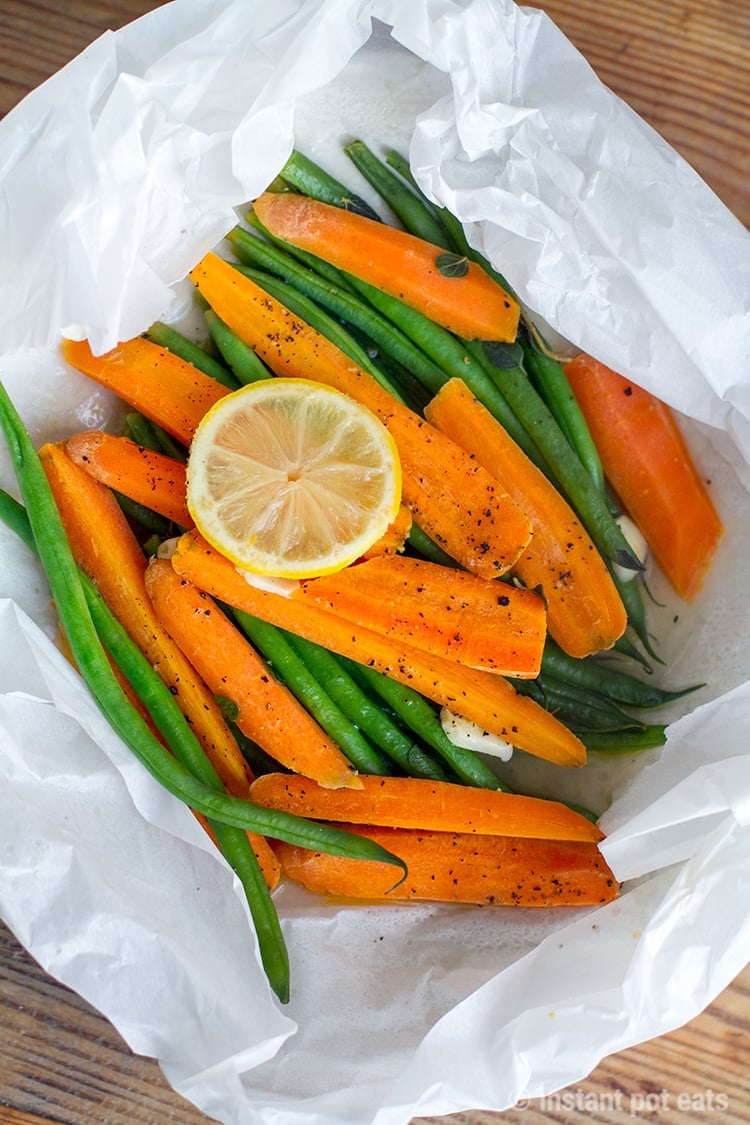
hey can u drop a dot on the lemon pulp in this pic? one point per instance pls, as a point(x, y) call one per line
point(291, 478)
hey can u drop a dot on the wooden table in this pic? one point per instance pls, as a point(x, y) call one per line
point(683, 66)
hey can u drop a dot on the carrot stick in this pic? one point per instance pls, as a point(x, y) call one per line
point(460, 867)
point(395, 536)
point(143, 475)
point(268, 713)
point(413, 802)
point(451, 290)
point(454, 614)
point(584, 611)
point(482, 697)
point(451, 497)
point(154, 381)
point(106, 549)
point(648, 464)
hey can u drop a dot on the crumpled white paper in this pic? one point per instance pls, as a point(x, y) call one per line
point(116, 176)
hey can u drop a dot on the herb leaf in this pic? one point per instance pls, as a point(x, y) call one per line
point(452, 265)
point(503, 356)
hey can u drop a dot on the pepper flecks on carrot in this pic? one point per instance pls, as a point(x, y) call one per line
point(150, 478)
point(267, 712)
point(647, 462)
point(440, 806)
point(461, 867)
point(106, 549)
point(454, 614)
point(172, 393)
point(482, 697)
point(453, 498)
point(450, 290)
point(584, 611)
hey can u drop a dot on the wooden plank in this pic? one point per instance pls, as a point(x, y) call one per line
point(682, 65)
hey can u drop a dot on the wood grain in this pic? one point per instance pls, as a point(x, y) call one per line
point(682, 65)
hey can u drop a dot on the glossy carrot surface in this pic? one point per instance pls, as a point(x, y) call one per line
point(460, 867)
point(646, 460)
point(451, 290)
point(584, 611)
point(453, 498)
point(482, 697)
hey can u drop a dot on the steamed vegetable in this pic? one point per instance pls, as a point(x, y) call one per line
point(647, 462)
point(450, 290)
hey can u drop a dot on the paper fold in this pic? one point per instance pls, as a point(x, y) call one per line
point(116, 176)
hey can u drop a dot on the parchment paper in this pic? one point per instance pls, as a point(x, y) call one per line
point(116, 175)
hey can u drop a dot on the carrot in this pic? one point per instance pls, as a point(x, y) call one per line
point(154, 381)
point(455, 292)
point(646, 460)
point(395, 536)
point(482, 697)
point(452, 498)
point(460, 867)
point(267, 712)
point(584, 611)
point(454, 614)
point(141, 474)
point(270, 866)
point(413, 802)
point(106, 549)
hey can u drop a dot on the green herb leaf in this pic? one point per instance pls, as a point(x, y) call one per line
point(503, 356)
point(229, 709)
point(452, 265)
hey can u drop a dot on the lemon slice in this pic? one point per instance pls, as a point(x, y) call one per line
point(291, 478)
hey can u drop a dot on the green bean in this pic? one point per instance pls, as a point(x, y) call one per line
point(310, 179)
point(318, 319)
point(572, 476)
point(243, 360)
point(271, 255)
point(624, 742)
point(577, 708)
point(625, 646)
point(551, 382)
point(167, 337)
point(142, 431)
point(152, 436)
point(169, 720)
point(68, 594)
point(421, 543)
point(414, 710)
point(286, 664)
point(143, 516)
point(13, 515)
point(401, 165)
point(415, 216)
point(453, 226)
point(604, 679)
point(453, 358)
point(358, 706)
point(629, 590)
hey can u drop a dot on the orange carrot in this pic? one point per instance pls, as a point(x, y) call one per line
point(454, 614)
point(268, 713)
point(584, 611)
point(646, 460)
point(482, 697)
point(143, 475)
point(470, 304)
point(453, 499)
point(438, 806)
point(460, 867)
point(272, 871)
point(395, 536)
point(106, 549)
point(154, 381)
